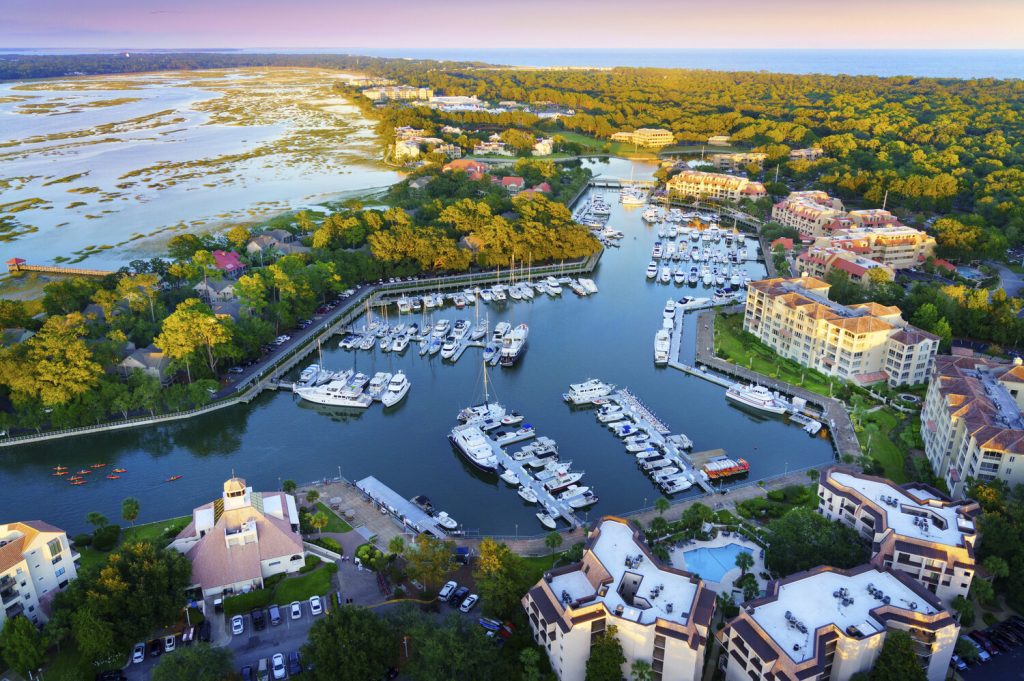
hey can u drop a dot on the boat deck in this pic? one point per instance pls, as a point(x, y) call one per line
point(403, 511)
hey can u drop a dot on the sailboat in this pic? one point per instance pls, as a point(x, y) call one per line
point(484, 411)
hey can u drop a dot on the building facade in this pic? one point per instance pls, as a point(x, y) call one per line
point(237, 541)
point(828, 624)
point(36, 563)
point(809, 212)
point(808, 154)
point(700, 185)
point(731, 163)
point(971, 423)
point(912, 528)
point(896, 246)
point(865, 343)
point(662, 614)
point(820, 262)
point(398, 92)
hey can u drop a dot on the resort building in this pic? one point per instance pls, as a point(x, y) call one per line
point(646, 137)
point(872, 217)
point(466, 165)
point(809, 212)
point(228, 262)
point(719, 140)
point(865, 343)
point(971, 423)
point(701, 185)
point(399, 92)
point(809, 154)
point(149, 360)
point(819, 262)
point(496, 148)
point(242, 538)
point(896, 246)
point(912, 528)
point(36, 563)
point(545, 146)
point(731, 163)
point(662, 614)
point(828, 624)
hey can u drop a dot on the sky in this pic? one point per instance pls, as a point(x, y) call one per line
point(604, 24)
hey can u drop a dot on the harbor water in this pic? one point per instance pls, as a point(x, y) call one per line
point(609, 336)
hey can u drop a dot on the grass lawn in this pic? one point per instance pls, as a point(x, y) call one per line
point(597, 145)
point(297, 588)
point(876, 438)
point(154, 531)
point(68, 665)
point(736, 346)
point(536, 566)
point(334, 521)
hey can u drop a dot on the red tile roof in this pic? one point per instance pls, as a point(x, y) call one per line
point(783, 241)
point(512, 181)
point(228, 261)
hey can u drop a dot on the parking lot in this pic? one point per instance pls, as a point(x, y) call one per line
point(1003, 667)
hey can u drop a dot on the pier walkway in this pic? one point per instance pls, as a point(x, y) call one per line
point(402, 511)
point(555, 507)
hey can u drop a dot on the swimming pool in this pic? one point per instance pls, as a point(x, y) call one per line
point(712, 563)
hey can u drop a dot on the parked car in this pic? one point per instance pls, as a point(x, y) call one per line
point(447, 590)
point(983, 641)
point(294, 663)
point(263, 670)
point(277, 664)
point(469, 603)
point(983, 655)
point(316, 606)
point(169, 644)
point(138, 653)
point(259, 620)
point(205, 631)
point(275, 615)
point(955, 661)
point(156, 648)
point(296, 610)
point(237, 625)
point(247, 673)
point(236, 370)
point(459, 595)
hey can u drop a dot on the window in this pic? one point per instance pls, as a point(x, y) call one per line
point(59, 572)
point(55, 547)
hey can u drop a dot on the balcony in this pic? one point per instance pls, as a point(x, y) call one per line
point(9, 595)
point(15, 610)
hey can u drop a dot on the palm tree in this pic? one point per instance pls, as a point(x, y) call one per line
point(96, 519)
point(553, 540)
point(661, 504)
point(744, 561)
point(318, 521)
point(288, 486)
point(397, 545)
point(659, 526)
point(641, 671)
point(312, 496)
point(130, 509)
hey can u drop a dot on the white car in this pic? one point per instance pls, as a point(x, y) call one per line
point(169, 644)
point(468, 604)
point(237, 625)
point(316, 606)
point(447, 590)
point(296, 610)
point(139, 653)
point(277, 664)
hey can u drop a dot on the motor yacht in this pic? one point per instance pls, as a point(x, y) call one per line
point(528, 495)
point(510, 477)
point(652, 270)
point(446, 521)
point(378, 384)
point(400, 344)
point(587, 392)
point(757, 397)
point(513, 345)
point(451, 344)
point(475, 447)
point(398, 388)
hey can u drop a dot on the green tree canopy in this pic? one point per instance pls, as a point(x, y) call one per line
point(351, 644)
point(198, 662)
point(429, 561)
point(606, 657)
point(802, 539)
point(501, 578)
point(21, 645)
point(897, 661)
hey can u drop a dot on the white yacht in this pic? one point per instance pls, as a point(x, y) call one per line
point(650, 215)
point(652, 270)
point(336, 394)
point(475, 446)
point(500, 329)
point(397, 389)
point(587, 392)
point(757, 397)
point(633, 197)
point(400, 344)
point(479, 330)
point(482, 412)
point(589, 286)
point(441, 328)
point(510, 477)
point(670, 309)
point(662, 344)
point(446, 521)
point(378, 384)
point(513, 345)
point(665, 275)
point(451, 344)
point(546, 520)
point(528, 495)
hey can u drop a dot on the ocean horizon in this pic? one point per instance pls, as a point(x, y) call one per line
point(912, 62)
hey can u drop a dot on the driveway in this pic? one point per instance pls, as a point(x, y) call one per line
point(1009, 281)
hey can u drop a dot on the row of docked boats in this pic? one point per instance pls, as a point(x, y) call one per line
point(444, 521)
point(498, 293)
point(722, 276)
point(760, 398)
point(350, 388)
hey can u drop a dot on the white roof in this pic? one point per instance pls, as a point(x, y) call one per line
point(614, 545)
point(900, 517)
point(811, 602)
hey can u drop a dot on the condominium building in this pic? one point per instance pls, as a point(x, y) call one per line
point(971, 423)
point(662, 614)
point(702, 185)
point(897, 246)
point(872, 217)
point(733, 162)
point(719, 140)
point(544, 146)
point(828, 624)
point(495, 148)
point(819, 262)
point(809, 212)
point(36, 563)
point(646, 137)
point(400, 92)
point(912, 528)
point(865, 343)
point(809, 154)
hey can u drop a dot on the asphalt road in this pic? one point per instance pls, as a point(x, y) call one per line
point(1002, 667)
point(1009, 281)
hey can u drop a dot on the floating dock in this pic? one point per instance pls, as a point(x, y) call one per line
point(555, 507)
point(401, 510)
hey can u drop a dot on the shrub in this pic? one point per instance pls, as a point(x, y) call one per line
point(273, 580)
point(989, 618)
point(399, 592)
point(329, 543)
point(331, 568)
point(312, 562)
point(105, 538)
point(82, 540)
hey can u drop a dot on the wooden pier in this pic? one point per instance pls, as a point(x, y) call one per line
point(17, 265)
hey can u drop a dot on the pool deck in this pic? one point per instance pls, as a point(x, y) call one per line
point(677, 559)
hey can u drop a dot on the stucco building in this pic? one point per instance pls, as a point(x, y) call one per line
point(36, 563)
point(696, 184)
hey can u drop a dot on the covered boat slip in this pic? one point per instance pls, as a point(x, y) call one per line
point(403, 511)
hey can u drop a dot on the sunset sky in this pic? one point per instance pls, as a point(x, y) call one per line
point(866, 24)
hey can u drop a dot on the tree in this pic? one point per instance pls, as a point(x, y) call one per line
point(661, 504)
point(351, 644)
point(14, 314)
point(289, 487)
point(802, 539)
point(659, 526)
point(967, 652)
point(22, 646)
point(54, 366)
point(318, 521)
point(312, 496)
point(982, 590)
point(897, 661)
point(96, 519)
point(429, 561)
point(184, 246)
point(199, 662)
point(964, 609)
point(238, 236)
point(744, 561)
point(455, 649)
point(192, 328)
point(501, 578)
point(552, 540)
point(641, 670)
point(397, 545)
point(130, 509)
point(529, 659)
point(996, 566)
point(94, 636)
point(606, 657)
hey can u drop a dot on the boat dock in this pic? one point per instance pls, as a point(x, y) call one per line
point(401, 510)
point(700, 458)
point(555, 507)
point(640, 412)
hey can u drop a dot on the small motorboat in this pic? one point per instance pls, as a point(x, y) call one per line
point(83, 472)
point(510, 477)
point(546, 520)
point(528, 495)
point(60, 468)
point(173, 478)
point(74, 478)
point(512, 419)
point(113, 477)
point(446, 521)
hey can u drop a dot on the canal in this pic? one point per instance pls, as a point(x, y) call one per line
point(609, 336)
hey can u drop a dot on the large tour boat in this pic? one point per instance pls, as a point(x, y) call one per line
point(587, 392)
point(475, 446)
point(757, 397)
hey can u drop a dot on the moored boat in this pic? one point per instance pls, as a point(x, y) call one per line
point(757, 397)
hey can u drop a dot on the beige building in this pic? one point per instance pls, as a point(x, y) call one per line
point(971, 423)
point(399, 92)
point(646, 137)
point(809, 212)
point(828, 624)
point(36, 563)
point(865, 343)
point(731, 163)
point(719, 140)
point(897, 246)
point(819, 262)
point(912, 528)
point(702, 185)
point(809, 154)
point(242, 538)
point(662, 614)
